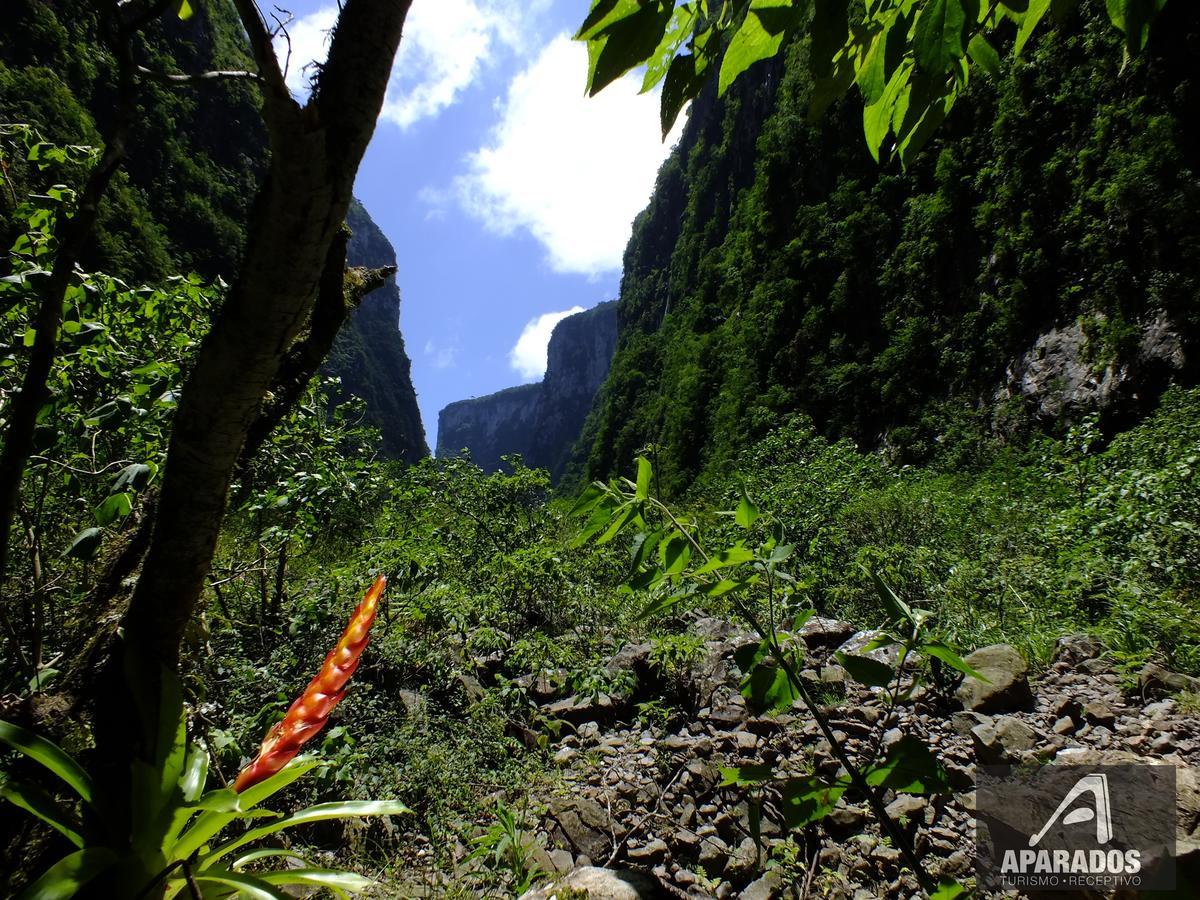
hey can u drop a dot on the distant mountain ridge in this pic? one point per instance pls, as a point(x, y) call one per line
point(539, 421)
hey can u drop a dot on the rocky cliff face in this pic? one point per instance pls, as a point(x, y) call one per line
point(369, 354)
point(539, 421)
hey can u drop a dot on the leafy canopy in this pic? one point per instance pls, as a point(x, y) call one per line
point(910, 59)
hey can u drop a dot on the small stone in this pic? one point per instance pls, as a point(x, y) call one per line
point(653, 852)
point(1007, 685)
point(746, 741)
point(1097, 712)
point(907, 806)
point(1065, 725)
point(564, 756)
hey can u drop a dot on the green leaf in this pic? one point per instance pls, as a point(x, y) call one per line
point(897, 609)
point(684, 79)
point(877, 117)
point(210, 823)
point(747, 513)
point(767, 24)
point(940, 651)
point(733, 556)
point(331, 878)
point(84, 545)
point(248, 886)
point(64, 879)
point(909, 768)
point(768, 688)
point(1033, 15)
point(678, 30)
point(48, 754)
point(747, 776)
point(133, 477)
point(604, 14)
point(592, 495)
point(115, 506)
point(267, 853)
point(984, 55)
point(662, 603)
point(185, 10)
point(866, 670)
point(33, 799)
point(625, 43)
point(645, 472)
point(940, 32)
point(1133, 19)
point(318, 813)
point(948, 889)
point(809, 799)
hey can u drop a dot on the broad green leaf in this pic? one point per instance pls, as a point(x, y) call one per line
point(645, 472)
point(747, 513)
point(618, 522)
point(679, 29)
point(984, 55)
point(762, 32)
point(33, 799)
point(1133, 19)
point(604, 14)
point(684, 79)
point(133, 477)
point(866, 670)
point(626, 43)
point(748, 656)
point(115, 506)
point(940, 32)
point(318, 813)
point(1033, 15)
point(897, 609)
point(884, 53)
point(809, 799)
point(747, 776)
point(909, 768)
point(733, 556)
point(65, 878)
point(48, 754)
point(675, 553)
point(940, 651)
point(267, 853)
point(768, 688)
point(84, 545)
point(877, 118)
point(643, 546)
point(726, 586)
point(591, 496)
point(185, 10)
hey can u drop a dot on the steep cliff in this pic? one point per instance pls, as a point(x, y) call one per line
point(539, 421)
point(195, 160)
point(368, 354)
point(779, 270)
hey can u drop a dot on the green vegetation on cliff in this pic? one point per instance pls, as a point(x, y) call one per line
point(778, 268)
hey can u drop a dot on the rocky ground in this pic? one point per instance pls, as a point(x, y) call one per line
point(642, 812)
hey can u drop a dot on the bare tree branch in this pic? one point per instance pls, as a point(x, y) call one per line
point(181, 79)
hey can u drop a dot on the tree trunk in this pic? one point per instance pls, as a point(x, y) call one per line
point(315, 154)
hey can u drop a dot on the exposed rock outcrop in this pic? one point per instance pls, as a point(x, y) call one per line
point(541, 421)
point(369, 354)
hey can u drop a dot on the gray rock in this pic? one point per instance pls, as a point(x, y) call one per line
point(1007, 685)
point(768, 887)
point(587, 826)
point(600, 884)
point(821, 632)
point(1155, 681)
point(653, 852)
point(1075, 648)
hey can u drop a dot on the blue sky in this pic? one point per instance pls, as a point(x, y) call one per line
point(507, 194)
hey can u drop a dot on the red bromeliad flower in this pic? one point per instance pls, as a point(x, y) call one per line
point(310, 712)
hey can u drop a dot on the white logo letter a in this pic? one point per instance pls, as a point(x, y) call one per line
point(1096, 785)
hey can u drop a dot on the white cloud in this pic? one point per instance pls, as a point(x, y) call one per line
point(528, 355)
point(442, 356)
point(573, 171)
point(446, 46)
